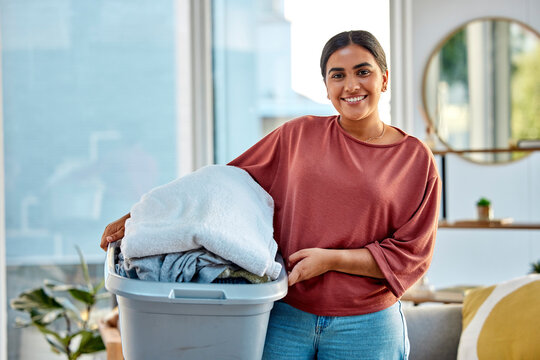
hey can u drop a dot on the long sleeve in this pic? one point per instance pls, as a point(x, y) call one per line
point(405, 257)
point(261, 160)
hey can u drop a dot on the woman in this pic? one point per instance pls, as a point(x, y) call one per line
point(356, 209)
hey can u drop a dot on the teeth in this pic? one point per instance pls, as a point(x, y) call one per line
point(355, 99)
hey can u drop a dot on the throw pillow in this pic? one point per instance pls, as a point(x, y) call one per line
point(502, 321)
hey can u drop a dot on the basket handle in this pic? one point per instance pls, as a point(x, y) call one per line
point(197, 294)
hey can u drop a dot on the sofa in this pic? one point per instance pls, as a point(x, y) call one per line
point(494, 322)
point(434, 331)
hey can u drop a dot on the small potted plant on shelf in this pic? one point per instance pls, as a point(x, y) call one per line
point(485, 212)
point(535, 267)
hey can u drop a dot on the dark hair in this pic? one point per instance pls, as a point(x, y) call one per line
point(358, 37)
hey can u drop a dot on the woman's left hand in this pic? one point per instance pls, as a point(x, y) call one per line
point(308, 263)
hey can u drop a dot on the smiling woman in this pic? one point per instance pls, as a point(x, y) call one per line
point(344, 221)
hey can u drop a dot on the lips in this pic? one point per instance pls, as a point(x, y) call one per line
point(355, 99)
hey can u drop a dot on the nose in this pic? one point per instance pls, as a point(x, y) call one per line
point(352, 84)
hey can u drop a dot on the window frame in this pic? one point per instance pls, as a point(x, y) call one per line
point(195, 108)
point(194, 115)
point(3, 280)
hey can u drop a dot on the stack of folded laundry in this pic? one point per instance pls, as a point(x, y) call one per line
point(213, 225)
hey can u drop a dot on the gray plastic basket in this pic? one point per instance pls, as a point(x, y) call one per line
point(161, 320)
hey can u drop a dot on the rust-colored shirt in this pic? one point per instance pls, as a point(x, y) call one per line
point(334, 191)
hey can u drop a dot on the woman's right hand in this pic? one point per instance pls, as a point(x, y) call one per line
point(113, 232)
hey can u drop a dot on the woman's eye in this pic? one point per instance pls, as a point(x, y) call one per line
point(363, 72)
point(337, 76)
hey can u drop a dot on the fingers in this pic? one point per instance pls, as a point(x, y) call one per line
point(297, 256)
point(301, 271)
point(116, 236)
point(296, 274)
point(113, 232)
point(293, 277)
point(103, 244)
point(306, 264)
point(111, 237)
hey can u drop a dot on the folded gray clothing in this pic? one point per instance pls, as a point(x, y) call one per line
point(199, 265)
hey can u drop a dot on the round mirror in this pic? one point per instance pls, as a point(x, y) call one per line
point(481, 89)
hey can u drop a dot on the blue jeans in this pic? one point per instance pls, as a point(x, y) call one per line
point(296, 335)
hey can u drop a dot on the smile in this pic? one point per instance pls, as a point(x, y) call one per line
point(355, 99)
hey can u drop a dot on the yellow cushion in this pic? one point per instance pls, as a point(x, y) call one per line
point(502, 321)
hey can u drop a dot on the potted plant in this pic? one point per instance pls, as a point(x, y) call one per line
point(483, 207)
point(61, 312)
point(535, 267)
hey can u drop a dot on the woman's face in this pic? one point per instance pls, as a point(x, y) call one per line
point(354, 83)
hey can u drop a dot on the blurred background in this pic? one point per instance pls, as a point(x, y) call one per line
point(103, 100)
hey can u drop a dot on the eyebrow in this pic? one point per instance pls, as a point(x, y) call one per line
point(354, 67)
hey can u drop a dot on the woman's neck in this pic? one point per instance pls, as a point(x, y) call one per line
point(366, 130)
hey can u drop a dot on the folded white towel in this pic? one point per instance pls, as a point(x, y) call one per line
point(218, 207)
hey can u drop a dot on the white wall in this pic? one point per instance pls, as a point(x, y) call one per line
point(467, 256)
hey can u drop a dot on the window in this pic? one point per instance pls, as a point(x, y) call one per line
point(266, 62)
point(89, 101)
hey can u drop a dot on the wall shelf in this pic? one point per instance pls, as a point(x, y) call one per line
point(444, 224)
point(487, 225)
point(497, 150)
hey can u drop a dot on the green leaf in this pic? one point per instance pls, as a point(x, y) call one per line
point(59, 341)
point(46, 331)
point(56, 346)
point(58, 286)
point(483, 202)
point(46, 318)
point(83, 295)
point(99, 286)
point(90, 342)
point(35, 299)
point(103, 296)
point(22, 323)
point(42, 307)
point(73, 311)
point(84, 267)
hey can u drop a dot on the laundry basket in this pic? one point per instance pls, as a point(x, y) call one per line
point(160, 320)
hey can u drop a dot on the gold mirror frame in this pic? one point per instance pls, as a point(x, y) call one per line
point(490, 154)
